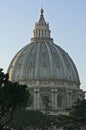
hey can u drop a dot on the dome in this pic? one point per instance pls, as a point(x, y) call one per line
point(42, 59)
point(47, 70)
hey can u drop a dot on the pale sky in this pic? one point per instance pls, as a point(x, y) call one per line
point(67, 21)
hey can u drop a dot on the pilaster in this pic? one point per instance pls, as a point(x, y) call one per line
point(36, 99)
point(54, 98)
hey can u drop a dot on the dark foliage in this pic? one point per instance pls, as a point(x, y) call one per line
point(27, 118)
point(12, 97)
point(76, 118)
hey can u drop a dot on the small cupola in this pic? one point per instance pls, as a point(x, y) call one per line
point(41, 31)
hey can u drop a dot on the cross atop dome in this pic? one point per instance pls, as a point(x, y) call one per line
point(41, 31)
point(42, 20)
point(42, 11)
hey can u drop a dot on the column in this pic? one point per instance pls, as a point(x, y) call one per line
point(36, 99)
point(69, 98)
point(71, 102)
point(54, 99)
point(68, 103)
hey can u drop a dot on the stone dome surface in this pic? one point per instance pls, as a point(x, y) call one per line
point(42, 59)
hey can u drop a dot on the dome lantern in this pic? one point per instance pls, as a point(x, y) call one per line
point(41, 31)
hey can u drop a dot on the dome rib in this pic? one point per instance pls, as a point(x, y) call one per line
point(37, 61)
point(64, 67)
point(72, 68)
point(75, 75)
point(27, 61)
point(50, 59)
point(13, 64)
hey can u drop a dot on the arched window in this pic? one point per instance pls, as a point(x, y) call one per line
point(59, 100)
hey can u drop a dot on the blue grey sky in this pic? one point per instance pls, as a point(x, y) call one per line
point(67, 21)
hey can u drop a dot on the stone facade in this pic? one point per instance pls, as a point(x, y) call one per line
point(60, 94)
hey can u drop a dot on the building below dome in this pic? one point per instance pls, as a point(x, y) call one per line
point(47, 70)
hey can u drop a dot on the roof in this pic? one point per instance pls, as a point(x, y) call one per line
point(42, 59)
